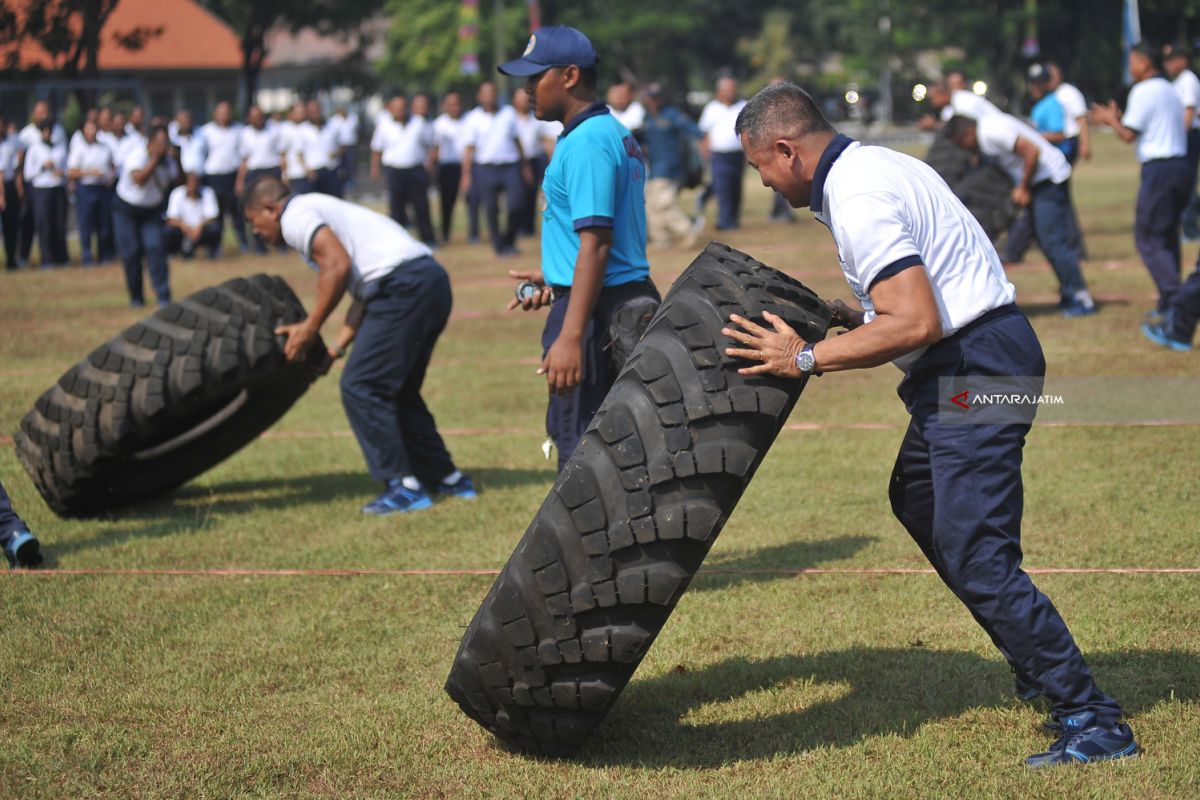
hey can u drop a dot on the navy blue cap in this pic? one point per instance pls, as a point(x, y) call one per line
point(552, 46)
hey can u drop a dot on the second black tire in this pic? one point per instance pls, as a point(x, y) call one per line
point(633, 513)
point(167, 399)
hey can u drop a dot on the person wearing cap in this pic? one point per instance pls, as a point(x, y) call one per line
point(666, 134)
point(1177, 62)
point(1153, 119)
point(595, 276)
point(936, 302)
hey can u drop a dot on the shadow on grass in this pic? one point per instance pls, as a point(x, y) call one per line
point(856, 693)
point(793, 555)
point(190, 507)
point(1055, 310)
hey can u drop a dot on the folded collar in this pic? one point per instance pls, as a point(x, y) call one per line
point(834, 149)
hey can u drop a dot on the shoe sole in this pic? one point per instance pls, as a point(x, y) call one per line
point(1069, 757)
point(417, 506)
point(1163, 341)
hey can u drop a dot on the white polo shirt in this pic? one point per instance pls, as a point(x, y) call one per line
point(888, 212)
point(32, 134)
point(718, 121)
point(1187, 86)
point(151, 193)
point(1155, 111)
point(968, 104)
point(447, 136)
point(1074, 106)
point(633, 117)
point(10, 149)
point(193, 211)
point(193, 151)
point(533, 133)
point(376, 244)
point(493, 135)
point(45, 165)
point(221, 143)
point(123, 146)
point(998, 135)
point(347, 129)
point(260, 148)
point(94, 156)
point(320, 145)
point(293, 136)
point(402, 145)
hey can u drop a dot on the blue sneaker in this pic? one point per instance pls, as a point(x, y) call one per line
point(1084, 742)
point(397, 499)
point(1075, 309)
point(1157, 333)
point(23, 550)
point(462, 488)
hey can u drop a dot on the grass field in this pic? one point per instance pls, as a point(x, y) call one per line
point(824, 685)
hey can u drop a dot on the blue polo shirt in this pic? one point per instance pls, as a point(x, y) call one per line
point(596, 179)
point(1048, 116)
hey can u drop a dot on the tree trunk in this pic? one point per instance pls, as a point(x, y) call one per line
point(254, 52)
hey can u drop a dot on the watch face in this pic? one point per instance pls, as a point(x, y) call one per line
point(805, 361)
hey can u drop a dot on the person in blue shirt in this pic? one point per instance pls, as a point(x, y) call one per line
point(666, 134)
point(595, 276)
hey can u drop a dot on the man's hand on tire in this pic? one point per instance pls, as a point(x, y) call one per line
point(299, 338)
point(563, 365)
point(776, 350)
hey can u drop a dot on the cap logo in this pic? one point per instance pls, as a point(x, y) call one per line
point(532, 43)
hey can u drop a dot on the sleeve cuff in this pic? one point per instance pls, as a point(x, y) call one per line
point(894, 268)
point(593, 222)
point(312, 238)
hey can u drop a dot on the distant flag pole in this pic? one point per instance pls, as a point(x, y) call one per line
point(1132, 32)
point(468, 37)
point(535, 16)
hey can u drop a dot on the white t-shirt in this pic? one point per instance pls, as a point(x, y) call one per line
point(193, 150)
point(403, 145)
point(94, 156)
point(998, 136)
point(1074, 106)
point(45, 165)
point(122, 147)
point(221, 144)
point(887, 211)
point(1187, 86)
point(633, 117)
point(152, 192)
point(1155, 111)
point(968, 104)
point(10, 149)
point(717, 121)
point(320, 145)
point(31, 134)
point(447, 135)
point(376, 244)
point(493, 135)
point(260, 148)
point(292, 135)
point(533, 132)
point(192, 211)
point(347, 129)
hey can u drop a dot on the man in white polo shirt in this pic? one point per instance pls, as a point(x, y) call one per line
point(726, 159)
point(29, 136)
point(447, 153)
point(46, 191)
point(1153, 119)
point(400, 145)
point(1177, 63)
point(1078, 139)
point(90, 165)
point(146, 175)
point(400, 305)
point(221, 141)
point(1039, 172)
point(193, 219)
point(937, 303)
point(261, 148)
point(11, 192)
point(494, 164)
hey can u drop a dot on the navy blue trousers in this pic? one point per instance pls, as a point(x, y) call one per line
point(210, 237)
point(93, 217)
point(727, 172)
point(10, 523)
point(1184, 312)
point(568, 416)
point(410, 187)
point(449, 179)
point(528, 224)
point(10, 221)
point(49, 219)
point(1162, 196)
point(1053, 218)
point(406, 311)
point(224, 186)
point(489, 181)
point(957, 490)
point(1191, 225)
point(1022, 233)
point(139, 233)
point(325, 181)
point(473, 205)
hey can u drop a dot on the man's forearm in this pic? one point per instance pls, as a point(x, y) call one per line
point(882, 340)
point(1085, 134)
point(331, 285)
point(590, 266)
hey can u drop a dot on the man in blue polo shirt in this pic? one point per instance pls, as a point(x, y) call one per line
point(595, 275)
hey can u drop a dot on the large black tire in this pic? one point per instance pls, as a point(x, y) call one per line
point(170, 397)
point(633, 514)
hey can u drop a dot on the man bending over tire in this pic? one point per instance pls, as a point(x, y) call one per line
point(401, 301)
point(595, 276)
point(937, 303)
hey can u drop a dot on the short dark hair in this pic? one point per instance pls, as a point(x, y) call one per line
point(1150, 52)
point(263, 189)
point(958, 125)
point(781, 109)
point(1179, 50)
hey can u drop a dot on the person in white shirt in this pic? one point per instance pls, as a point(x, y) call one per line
point(347, 140)
point(1153, 119)
point(937, 303)
point(623, 105)
point(493, 164)
point(1177, 63)
point(146, 176)
point(724, 151)
point(91, 115)
point(537, 143)
point(46, 186)
point(400, 302)
point(189, 145)
point(447, 154)
point(1039, 172)
point(261, 148)
point(136, 126)
point(13, 191)
point(321, 151)
point(401, 147)
point(1075, 114)
point(90, 165)
point(293, 135)
point(193, 219)
point(30, 135)
point(221, 165)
